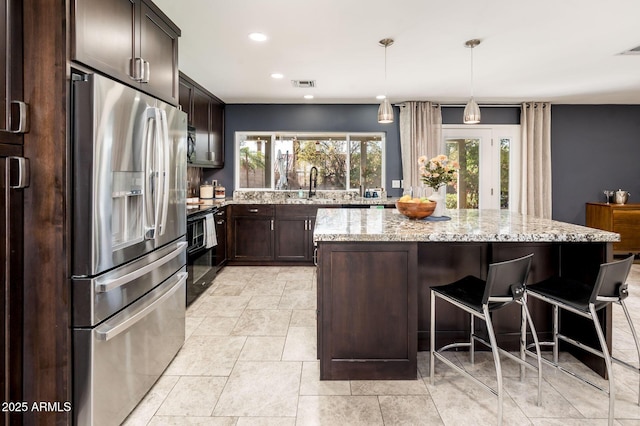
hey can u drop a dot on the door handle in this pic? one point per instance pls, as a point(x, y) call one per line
point(23, 118)
point(112, 332)
point(23, 172)
point(110, 284)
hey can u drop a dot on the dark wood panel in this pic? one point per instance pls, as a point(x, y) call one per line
point(159, 47)
point(292, 238)
point(103, 37)
point(10, 68)
point(47, 339)
point(357, 284)
point(253, 238)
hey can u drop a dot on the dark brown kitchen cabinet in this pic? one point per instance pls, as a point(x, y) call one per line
point(252, 233)
point(13, 110)
point(294, 233)
point(206, 114)
point(130, 40)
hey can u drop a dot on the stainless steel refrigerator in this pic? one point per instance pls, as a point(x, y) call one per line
point(128, 245)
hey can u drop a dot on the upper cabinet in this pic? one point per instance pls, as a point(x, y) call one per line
point(205, 113)
point(130, 40)
point(13, 110)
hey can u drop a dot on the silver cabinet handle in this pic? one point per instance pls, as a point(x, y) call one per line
point(272, 224)
point(107, 285)
point(23, 118)
point(146, 72)
point(253, 210)
point(23, 172)
point(112, 332)
point(315, 256)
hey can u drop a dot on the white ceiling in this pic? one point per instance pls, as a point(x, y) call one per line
point(563, 51)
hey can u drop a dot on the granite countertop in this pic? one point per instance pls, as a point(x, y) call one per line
point(388, 225)
point(319, 201)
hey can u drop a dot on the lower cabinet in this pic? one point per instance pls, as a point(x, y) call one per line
point(251, 233)
point(294, 233)
point(271, 234)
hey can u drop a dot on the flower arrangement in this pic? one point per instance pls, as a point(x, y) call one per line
point(438, 171)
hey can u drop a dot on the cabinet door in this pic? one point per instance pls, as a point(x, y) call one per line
point(626, 222)
point(217, 131)
point(253, 238)
point(202, 124)
point(185, 98)
point(11, 72)
point(292, 238)
point(159, 48)
point(104, 35)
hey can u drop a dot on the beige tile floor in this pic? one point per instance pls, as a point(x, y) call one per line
point(250, 359)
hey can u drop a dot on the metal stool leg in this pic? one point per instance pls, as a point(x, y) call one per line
point(472, 346)
point(432, 338)
point(633, 333)
point(607, 361)
point(523, 337)
point(555, 333)
point(496, 361)
point(537, 346)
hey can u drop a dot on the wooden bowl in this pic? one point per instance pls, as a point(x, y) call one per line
point(416, 210)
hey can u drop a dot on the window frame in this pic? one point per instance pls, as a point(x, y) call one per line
point(490, 176)
point(275, 135)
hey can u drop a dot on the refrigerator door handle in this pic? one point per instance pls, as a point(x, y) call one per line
point(112, 332)
point(152, 193)
point(103, 286)
point(164, 166)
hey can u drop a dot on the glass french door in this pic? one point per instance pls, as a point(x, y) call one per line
point(489, 167)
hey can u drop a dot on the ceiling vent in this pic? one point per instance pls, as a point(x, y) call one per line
point(633, 51)
point(303, 83)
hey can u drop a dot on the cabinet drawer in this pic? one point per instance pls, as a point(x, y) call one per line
point(295, 211)
point(253, 210)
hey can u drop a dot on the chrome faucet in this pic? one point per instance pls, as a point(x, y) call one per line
point(313, 181)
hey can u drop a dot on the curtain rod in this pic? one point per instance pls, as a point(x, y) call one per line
point(463, 105)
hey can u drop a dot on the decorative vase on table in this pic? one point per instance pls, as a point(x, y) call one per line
point(440, 204)
point(436, 173)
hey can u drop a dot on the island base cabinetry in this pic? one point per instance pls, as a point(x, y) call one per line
point(367, 311)
point(373, 301)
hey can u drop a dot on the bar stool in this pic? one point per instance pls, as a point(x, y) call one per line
point(586, 300)
point(505, 284)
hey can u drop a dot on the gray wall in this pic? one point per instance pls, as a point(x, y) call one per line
point(594, 147)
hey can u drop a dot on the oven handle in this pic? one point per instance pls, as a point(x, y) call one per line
point(112, 332)
point(108, 285)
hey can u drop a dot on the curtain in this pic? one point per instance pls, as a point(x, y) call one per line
point(535, 122)
point(420, 134)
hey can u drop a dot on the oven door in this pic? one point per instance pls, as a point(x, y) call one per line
point(201, 267)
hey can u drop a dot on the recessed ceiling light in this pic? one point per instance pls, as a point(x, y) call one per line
point(277, 75)
point(379, 97)
point(308, 96)
point(257, 37)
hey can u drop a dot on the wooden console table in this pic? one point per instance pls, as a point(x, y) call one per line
point(623, 219)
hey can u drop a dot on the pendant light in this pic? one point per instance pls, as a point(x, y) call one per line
point(385, 111)
point(471, 110)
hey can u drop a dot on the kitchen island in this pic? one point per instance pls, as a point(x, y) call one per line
point(375, 269)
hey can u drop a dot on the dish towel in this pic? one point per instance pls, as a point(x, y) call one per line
point(210, 231)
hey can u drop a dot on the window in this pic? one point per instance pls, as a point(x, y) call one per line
point(489, 176)
point(284, 160)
